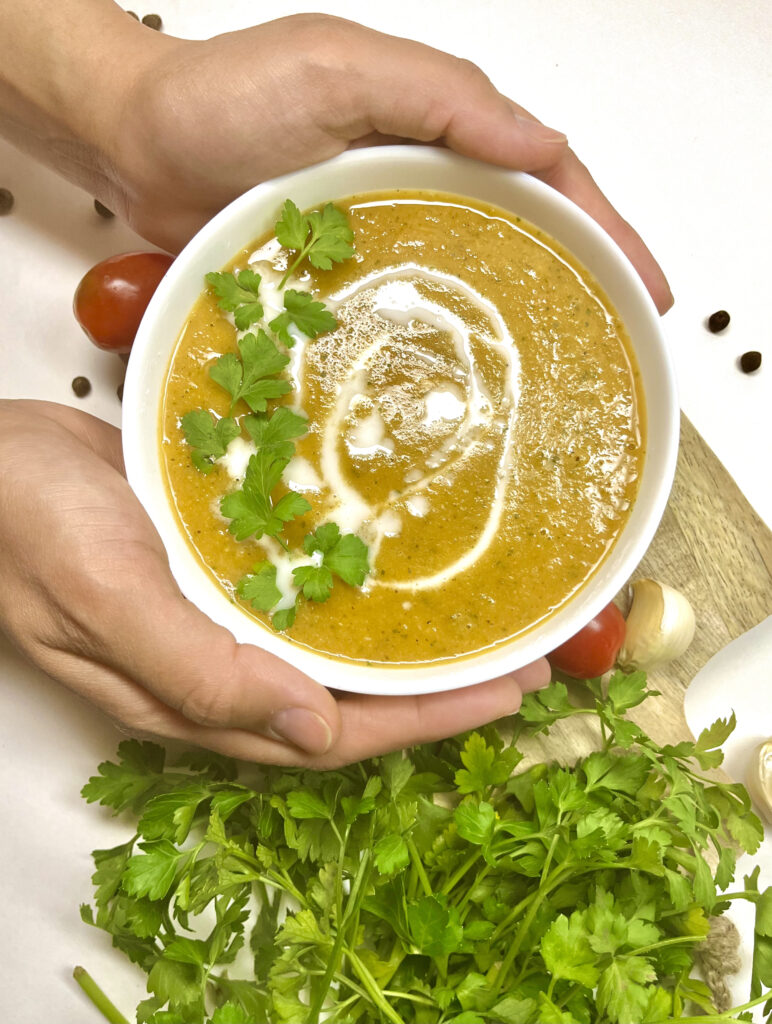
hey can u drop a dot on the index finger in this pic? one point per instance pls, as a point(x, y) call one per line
point(376, 725)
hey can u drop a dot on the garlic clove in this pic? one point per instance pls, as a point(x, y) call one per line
point(758, 779)
point(660, 626)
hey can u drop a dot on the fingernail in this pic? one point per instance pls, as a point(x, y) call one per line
point(302, 728)
point(539, 131)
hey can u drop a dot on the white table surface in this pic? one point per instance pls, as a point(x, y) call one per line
point(668, 102)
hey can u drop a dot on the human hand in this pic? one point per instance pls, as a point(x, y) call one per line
point(87, 595)
point(203, 121)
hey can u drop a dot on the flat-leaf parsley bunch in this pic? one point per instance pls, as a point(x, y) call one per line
point(252, 379)
point(434, 886)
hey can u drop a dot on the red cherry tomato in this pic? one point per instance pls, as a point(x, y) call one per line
point(112, 297)
point(594, 649)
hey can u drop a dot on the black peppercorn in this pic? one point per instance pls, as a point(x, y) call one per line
point(750, 362)
point(6, 201)
point(153, 21)
point(131, 14)
point(102, 210)
point(718, 321)
point(81, 386)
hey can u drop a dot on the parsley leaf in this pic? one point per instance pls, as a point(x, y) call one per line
point(251, 509)
point(567, 953)
point(483, 767)
point(209, 438)
point(391, 854)
point(284, 618)
point(622, 990)
point(277, 430)
point(259, 587)
point(475, 822)
point(307, 314)
point(170, 815)
point(251, 377)
point(152, 872)
point(344, 555)
point(324, 236)
point(231, 1013)
point(314, 581)
point(292, 227)
point(128, 783)
point(237, 294)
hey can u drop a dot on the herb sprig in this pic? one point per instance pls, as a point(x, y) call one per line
point(341, 555)
point(237, 293)
point(251, 375)
point(323, 236)
point(207, 437)
point(307, 314)
point(560, 893)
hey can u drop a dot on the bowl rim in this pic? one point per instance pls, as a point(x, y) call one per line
point(218, 235)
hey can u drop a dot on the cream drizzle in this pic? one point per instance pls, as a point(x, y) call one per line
point(399, 301)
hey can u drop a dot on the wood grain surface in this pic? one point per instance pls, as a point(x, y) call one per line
point(712, 547)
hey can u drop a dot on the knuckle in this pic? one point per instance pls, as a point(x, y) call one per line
point(470, 71)
point(320, 31)
point(207, 704)
point(328, 46)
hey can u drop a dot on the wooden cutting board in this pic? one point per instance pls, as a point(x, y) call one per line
point(712, 547)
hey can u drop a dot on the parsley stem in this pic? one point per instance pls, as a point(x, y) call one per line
point(348, 981)
point(421, 1000)
point(275, 879)
point(335, 1012)
point(456, 877)
point(352, 903)
point(293, 267)
point(512, 916)
point(675, 941)
point(723, 1018)
point(746, 894)
point(372, 989)
point(108, 1009)
point(548, 859)
point(418, 865)
point(283, 881)
point(464, 902)
point(539, 896)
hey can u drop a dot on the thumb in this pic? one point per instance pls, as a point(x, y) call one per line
point(169, 648)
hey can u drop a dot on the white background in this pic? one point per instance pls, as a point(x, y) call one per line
point(670, 105)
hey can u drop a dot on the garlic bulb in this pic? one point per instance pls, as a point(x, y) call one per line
point(758, 779)
point(660, 626)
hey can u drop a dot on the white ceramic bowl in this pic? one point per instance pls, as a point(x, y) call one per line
point(362, 171)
